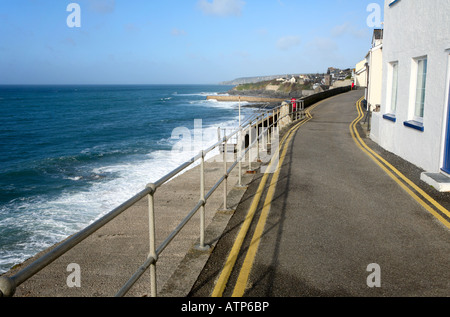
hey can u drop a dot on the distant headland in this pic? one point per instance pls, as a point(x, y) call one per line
point(278, 88)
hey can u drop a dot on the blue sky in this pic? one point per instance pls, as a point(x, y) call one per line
point(178, 41)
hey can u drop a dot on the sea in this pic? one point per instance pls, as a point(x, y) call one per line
point(71, 154)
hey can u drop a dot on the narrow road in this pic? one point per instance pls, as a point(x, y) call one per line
point(335, 224)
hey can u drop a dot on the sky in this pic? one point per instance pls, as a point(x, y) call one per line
point(178, 41)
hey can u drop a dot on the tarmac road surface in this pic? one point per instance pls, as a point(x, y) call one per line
point(335, 225)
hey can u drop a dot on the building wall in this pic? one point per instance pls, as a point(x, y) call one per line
point(375, 76)
point(361, 74)
point(413, 29)
point(341, 83)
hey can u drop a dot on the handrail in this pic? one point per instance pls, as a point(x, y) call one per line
point(9, 284)
point(151, 260)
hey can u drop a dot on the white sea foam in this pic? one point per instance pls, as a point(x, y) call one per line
point(38, 222)
point(75, 178)
point(201, 94)
point(220, 104)
point(50, 220)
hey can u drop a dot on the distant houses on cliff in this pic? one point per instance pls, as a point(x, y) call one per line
point(334, 77)
point(406, 77)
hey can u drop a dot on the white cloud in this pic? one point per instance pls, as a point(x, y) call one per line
point(221, 7)
point(287, 42)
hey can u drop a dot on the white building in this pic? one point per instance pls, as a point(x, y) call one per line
point(413, 121)
point(369, 71)
point(361, 74)
point(375, 70)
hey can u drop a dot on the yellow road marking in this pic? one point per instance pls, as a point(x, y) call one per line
point(379, 160)
point(224, 276)
point(229, 265)
point(251, 253)
point(244, 274)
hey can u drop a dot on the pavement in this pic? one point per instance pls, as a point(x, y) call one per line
point(334, 212)
point(338, 225)
point(108, 258)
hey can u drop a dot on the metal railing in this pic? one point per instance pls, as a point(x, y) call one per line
point(8, 285)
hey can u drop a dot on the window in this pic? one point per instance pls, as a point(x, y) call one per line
point(394, 87)
point(392, 92)
point(417, 93)
point(422, 65)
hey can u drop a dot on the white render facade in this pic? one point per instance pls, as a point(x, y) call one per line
point(375, 72)
point(361, 74)
point(414, 109)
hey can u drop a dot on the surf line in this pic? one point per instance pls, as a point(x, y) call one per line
point(248, 262)
point(391, 170)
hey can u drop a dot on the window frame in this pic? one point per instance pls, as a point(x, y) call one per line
point(393, 87)
point(420, 89)
point(416, 119)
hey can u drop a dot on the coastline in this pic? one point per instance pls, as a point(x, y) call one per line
point(106, 267)
point(63, 177)
point(109, 257)
point(245, 98)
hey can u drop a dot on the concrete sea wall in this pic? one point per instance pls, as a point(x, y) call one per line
point(309, 100)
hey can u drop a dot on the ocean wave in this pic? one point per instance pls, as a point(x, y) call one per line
point(99, 176)
point(203, 94)
point(213, 103)
point(42, 221)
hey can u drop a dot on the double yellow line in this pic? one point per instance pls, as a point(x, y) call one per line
point(396, 175)
point(251, 252)
point(247, 265)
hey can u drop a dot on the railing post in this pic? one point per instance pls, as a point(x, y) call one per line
point(202, 197)
point(239, 156)
point(152, 238)
point(202, 245)
point(250, 147)
point(240, 145)
point(225, 182)
point(263, 134)
point(295, 112)
point(278, 120)
point(257, 140)
point(273, 126)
